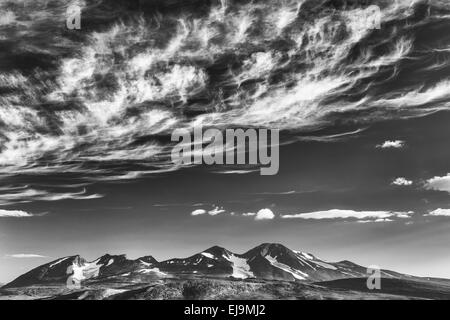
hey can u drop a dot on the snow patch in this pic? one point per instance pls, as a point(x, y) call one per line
point(307, 255)
point(208, 255)
point(153, 270)
point(325, 265)
point(241, 269)
point(58, 262)
point(111, 292)
point(147, 264)
point(296, 273)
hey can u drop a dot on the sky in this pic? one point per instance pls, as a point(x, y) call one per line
point(86, 118)
point(152, 216)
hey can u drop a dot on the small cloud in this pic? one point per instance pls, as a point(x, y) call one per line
point(249, 214)
point(216, 211)
point(396, 144)
point(440, 213)
point(264, 214)
point(198, 212)
point(213, 212)
point(14, 214)
point(439, 183)
point(402, 182)
point(377, 220)
point(349, 214)
point(25, 256)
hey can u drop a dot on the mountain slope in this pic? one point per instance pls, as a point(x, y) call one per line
point(267, 261)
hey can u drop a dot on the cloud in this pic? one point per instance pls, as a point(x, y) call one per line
point(249, 214)
point(396, 144)
point(14, 214)
point(213, 212)
point(402, 182)
point(15, 195)
point(25, 256)
point(198, 212)
point(377, 220)
point(440, 213)
point(264, 214)
point(439, 183)
point(349, 214)
point(216, 211)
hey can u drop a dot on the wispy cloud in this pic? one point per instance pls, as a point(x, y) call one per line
point(376, 220)
point(14, 214)
point(279, 193)
point(249, 214)
point(392, 144)
point(348, 214)
point(25, 256)
point(24, 195)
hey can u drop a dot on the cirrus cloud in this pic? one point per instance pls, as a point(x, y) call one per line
point(25, 256)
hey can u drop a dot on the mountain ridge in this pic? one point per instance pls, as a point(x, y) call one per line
point(268, 261)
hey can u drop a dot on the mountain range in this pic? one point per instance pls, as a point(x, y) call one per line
point(266, 263)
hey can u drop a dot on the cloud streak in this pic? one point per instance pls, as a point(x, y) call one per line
point(14, 214)
point(21, 195)
point(338, 214)
point(25, 256)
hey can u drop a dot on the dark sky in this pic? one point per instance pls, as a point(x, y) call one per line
point(153, 215)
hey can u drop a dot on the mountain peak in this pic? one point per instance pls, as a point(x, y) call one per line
point(148, 259)
point(217, 250)
point(107, 258)
point(272, 249)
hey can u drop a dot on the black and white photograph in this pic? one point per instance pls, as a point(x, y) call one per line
point(224, 150)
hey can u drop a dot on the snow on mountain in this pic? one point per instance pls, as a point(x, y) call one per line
point(241, 269)
point(296, 273)
point(267, 261)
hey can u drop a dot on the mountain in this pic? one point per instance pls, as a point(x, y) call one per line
point(268, 271)
point(267, 261)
